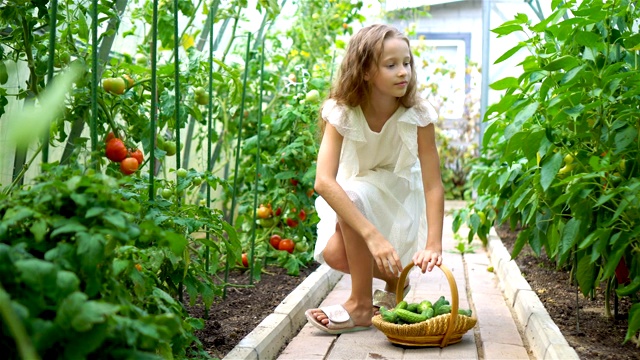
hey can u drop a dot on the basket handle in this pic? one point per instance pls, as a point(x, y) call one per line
point(454, 297)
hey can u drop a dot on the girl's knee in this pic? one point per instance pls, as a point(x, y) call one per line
point(335, 260)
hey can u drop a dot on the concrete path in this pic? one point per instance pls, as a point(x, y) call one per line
point(512, 322)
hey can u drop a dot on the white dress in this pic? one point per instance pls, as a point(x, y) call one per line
point(381, 174)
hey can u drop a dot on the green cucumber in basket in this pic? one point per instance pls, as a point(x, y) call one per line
point(410, 317)
point(443, 309)
point(428, 313)
point(388, 315)
point(413, 307)
point(464, 312)
point(441, 301)
point(424, 305)
point(402, 305)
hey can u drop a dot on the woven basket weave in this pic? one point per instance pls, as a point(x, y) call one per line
point(440, 330)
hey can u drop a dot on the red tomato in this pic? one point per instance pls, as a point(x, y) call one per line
point(291, 222)
point(137, 154)
point(115, 150)
point(138, 267)
point(275, 240)
point(278, 211)
point(286, 245)
point(129, 165)
point(245, 260)
point(302, 215)
point(294, 182)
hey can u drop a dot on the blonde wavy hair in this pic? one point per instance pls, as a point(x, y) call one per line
point(363, 53)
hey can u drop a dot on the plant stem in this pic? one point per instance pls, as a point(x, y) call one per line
point(25, 347)
point(25, 167)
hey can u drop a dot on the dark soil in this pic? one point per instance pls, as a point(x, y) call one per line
point(233, 318)
point(581, 320)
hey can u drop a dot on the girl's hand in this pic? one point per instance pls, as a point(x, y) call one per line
point(384, 255)
point(427, 259)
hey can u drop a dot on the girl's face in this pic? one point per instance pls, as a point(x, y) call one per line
point(392, 75)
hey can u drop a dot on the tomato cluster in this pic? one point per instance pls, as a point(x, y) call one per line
point(279, 243)
point(116, 151)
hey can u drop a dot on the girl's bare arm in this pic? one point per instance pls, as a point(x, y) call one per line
point(434, 198)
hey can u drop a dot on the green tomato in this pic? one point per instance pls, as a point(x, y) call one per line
point(166, 193)
point(197, 181)
point(301, 246)
point(170, 148)
point(182, 173)
point(313, 96)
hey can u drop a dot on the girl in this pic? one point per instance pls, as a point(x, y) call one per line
point(377, 167)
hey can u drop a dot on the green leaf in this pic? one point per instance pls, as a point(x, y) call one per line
point(566, 62)
point(569, 237)
point(587, 38)
point(38, 274)
point(67, 282)
point(585, 274)
point(634, 322)
point(506, 29)
point(526, 113)
point(91, 313)
point(625, 138)
point(550, 167)
point(39, 230)
point(69, 308)
point(509, 53)
point(70, 226)
point(615, 254)
point(176, 242)
point(521, 241)
point(502, 84)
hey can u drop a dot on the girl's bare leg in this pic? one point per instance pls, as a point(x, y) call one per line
point(353, 257)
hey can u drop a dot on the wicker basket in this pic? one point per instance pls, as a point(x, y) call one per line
point(440, 330)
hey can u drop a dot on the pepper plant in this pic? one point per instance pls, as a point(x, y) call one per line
point(560, 152)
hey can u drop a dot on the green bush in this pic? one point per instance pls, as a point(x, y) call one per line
point(560, 152)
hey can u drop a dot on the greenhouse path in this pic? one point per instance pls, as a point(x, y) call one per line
point(512, 322)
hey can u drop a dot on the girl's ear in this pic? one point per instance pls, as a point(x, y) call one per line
point(366, 76)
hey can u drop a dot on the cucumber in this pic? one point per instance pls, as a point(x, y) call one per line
point(413, 307)
point(402, 305)
point(428, 313)
point(424, 305)
point(409, 316)
point(444, 309)
point(388, 315)
point(441, 300)
point(464, 312)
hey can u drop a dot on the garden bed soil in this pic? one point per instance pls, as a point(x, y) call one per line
point(587, 330)
point(244, 307)
point(596, 338)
